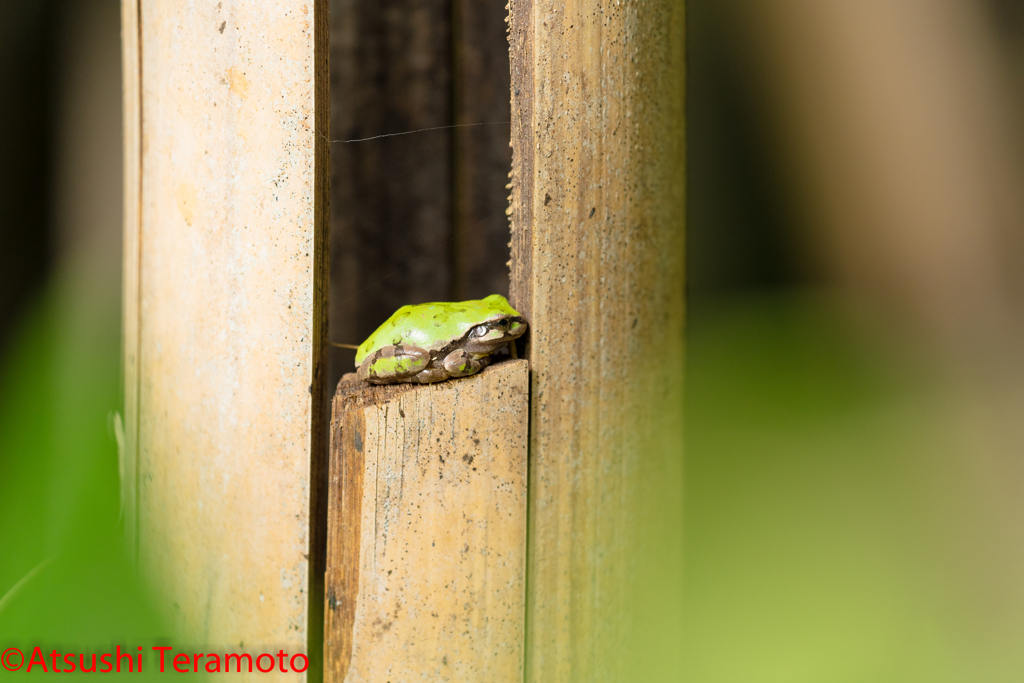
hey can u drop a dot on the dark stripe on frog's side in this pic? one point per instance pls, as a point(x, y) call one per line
point(398, 363)
point(442, 353)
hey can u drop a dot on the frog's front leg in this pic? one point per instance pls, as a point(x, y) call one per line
point(393, 364)
point(458, 363)
point(430, 375)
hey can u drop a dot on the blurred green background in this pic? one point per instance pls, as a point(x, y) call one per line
point(853, 457)
point(853, 472)
point(65, 582)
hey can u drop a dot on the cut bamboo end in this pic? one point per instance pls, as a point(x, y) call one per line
point(426, 547)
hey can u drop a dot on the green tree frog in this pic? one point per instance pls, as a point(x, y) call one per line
point(432, 342)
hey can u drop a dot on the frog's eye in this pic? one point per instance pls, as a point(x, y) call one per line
point(478, 331)
point(503, 324)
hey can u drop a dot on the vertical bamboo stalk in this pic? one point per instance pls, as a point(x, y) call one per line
point(131, 74)
point(427, 530)
point(225, 266)
point(598, 210)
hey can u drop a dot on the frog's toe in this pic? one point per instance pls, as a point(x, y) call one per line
point(393, 364)
point(458, 363)
point(430, 375)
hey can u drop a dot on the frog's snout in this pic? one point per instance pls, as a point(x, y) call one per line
point(516, 329)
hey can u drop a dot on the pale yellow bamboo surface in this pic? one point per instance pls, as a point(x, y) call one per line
point(132, 125)
point(223, 315)
point(427, 530)
point(598, 212)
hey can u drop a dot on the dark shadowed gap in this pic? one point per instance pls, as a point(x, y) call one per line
point(739, 230)
point(27, 77)
point(417, 217)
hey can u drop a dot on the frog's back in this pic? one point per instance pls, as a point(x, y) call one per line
point(432, 326)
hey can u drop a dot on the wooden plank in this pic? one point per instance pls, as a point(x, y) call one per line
point(598, 216)
point(427, 529)
point(481, 154)
point(230, 316)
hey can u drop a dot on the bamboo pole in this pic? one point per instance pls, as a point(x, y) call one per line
point(598, 210)
point(131, 75)
point(225, 260)
point(427, 530)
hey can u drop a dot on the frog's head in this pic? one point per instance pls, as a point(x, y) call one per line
point(491, 335)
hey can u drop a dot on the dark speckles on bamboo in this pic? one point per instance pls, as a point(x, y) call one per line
point(440, 590)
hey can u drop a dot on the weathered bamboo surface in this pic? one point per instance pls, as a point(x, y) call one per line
point(427, 530)
point(131, 77)
point(598, 211)
point(225, 263)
